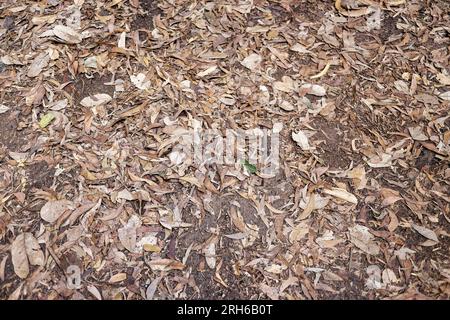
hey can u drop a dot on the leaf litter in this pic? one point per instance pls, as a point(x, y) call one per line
point(95, 99)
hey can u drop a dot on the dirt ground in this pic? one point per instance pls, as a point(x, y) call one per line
point(93, 94)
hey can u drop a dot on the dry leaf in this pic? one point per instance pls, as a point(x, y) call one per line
point(252, 61)
point(427, 233)
point(128, 233)
point(39, 63)
point(363, 239)
point(302, 140)
point(25, 250)
point(52, 210)
point(341, 194)
point(66, 34)
point(96, 100)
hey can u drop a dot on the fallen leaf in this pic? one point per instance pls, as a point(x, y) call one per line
point(52, 210)
point(427, 233)
point(140, 81)
point(95, 100)
point(46, 119)
point(252, 61)
point(25, 250)
point(313, 89)
point(128, 233)
point(341, 194)
point(39, 63)
point(3, 108)
point(118, 277)
point(363, 239)
point(302, 140)
point(165, 265)
point(67, 34)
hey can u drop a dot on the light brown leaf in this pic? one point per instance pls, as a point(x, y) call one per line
point(25, 250)
point(52, 210)
point(67, 34)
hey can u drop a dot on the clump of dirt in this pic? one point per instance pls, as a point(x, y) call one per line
point(83, 86)
point(10, 137)
point(40, 175)
point(388, 27)
point(145, 20)
point(335, 148)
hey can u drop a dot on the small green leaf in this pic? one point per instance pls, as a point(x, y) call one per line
point(45, 120)
point(251, 168)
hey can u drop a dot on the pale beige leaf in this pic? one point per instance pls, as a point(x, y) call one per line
point(95, 100)
point(128, 233)
point(210, 255)
point(363, 239)
point(33, 250)
point(252, 61)
point(19, 257)
point(67, 34)
point(52, 210)
point(299, 231)
point(427, 233)
point(207, 72)
point(313, 89)
point(301, 139)
point(118, 277)
point(39, 63)
point(341, 194)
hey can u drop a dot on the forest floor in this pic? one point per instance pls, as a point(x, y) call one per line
point(98, 202)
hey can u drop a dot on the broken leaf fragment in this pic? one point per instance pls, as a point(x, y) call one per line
point(301, 139)
point(3, 108)
point(46, 120)
point(251, 168)
point(252, 61)
point(140, 81)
